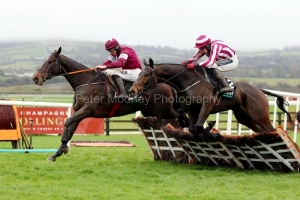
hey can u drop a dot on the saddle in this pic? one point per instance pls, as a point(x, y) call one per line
point(211, 78)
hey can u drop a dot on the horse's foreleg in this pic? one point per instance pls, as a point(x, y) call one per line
point(192, 121)
point(65, 138)
point(69, 129)
point(181, 117)
point(202, 117)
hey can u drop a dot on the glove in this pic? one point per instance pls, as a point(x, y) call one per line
point(184, 63)
point(192, 65)
point(100, 67)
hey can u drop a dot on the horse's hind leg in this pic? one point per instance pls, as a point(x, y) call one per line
point(257, 124)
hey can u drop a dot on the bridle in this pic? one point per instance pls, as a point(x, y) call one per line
point(49, 71)
point(146, 86)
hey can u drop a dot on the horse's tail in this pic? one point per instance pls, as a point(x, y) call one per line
point(280, 103)
point(298, 116)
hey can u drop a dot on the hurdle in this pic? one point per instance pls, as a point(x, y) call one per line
point(267, 151)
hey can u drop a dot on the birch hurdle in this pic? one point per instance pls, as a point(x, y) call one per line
point(265, 151)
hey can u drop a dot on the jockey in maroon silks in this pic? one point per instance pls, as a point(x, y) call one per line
point(123, 63)
point(221, 58)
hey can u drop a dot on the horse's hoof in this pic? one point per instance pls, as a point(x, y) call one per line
point(66, 150)
point(193, 131)
point(52, 159)
point(217, 136)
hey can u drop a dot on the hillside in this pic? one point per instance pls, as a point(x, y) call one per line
point(20, 57)
point(271, 69)
point(28, 56)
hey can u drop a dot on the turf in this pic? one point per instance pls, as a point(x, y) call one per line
point(129, 173)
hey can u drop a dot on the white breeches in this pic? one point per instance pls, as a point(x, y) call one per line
point(226, 65)
point(128, 74)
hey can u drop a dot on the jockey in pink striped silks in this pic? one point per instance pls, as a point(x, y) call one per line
point(123, 63)
point(221, 58)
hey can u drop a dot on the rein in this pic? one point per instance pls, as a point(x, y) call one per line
point(62, 73)
point(58, 62)
point(146, 88)
point(79, 71)
point(75, 72)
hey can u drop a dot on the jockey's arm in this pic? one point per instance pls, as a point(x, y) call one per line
point(214, 53)
point(196, 57)
point(118, 64)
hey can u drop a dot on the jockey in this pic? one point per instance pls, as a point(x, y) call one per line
point(221, 58)
point(122, 63)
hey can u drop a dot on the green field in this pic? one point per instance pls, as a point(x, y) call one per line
point(31, 55)
point(88, 173)
point(130, 173)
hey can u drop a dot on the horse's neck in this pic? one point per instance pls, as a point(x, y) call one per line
point(180, 80)
point(170, 73)
point(76, 79)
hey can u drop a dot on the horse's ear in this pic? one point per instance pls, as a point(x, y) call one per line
point(145, 63)
point(58, 51)
point(151, 62)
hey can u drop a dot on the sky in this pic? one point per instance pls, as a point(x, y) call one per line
point(242, 24)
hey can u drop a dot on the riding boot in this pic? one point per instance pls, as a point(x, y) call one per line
point(121, 87)
point(221, 79)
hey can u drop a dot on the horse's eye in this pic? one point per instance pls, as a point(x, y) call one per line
point(49, 61)
point(147, 75)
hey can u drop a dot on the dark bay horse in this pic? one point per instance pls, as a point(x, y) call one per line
point(91, 98)
point(198, 97)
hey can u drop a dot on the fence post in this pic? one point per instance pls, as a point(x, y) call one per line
point(107, 126)
point(279, 118)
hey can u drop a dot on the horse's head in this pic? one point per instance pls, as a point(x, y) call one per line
point(50, 68)
point(145, 79)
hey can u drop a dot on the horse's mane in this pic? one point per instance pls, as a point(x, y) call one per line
point(74, 61)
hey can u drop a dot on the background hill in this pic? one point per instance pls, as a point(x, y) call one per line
point(19, 60)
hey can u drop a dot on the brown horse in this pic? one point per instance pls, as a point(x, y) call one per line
point(198, 95)
point(91, 97)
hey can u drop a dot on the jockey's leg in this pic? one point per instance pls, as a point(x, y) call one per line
point(121, 87)
point(221, 79)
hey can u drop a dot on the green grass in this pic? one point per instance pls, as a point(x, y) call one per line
point(130, 173)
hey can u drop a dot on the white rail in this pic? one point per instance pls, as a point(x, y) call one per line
point(289, 97)
point(293, 99)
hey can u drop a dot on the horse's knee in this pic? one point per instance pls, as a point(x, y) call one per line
point(199, 127)
point(68, 122)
